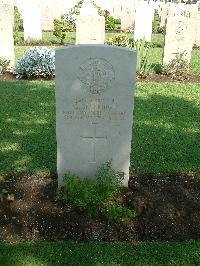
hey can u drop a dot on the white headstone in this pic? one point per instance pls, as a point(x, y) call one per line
point(143, 23)
point(179, 39)
point(90, 28)
point(32, 21)
point(127, 19)
point(6, 31)
point(88, 9)
point(94, 108)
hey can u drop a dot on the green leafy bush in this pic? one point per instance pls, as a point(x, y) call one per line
point(18, 26)
point(156, 24)
point(119, 40)
point(110, 23)
point(142, 49)
point(4, 65)
point(177, 68)
point(17, 37)
point(118, 212)
point(37, 62)
point(61, 28)
point(18, 21)
point(92, 195)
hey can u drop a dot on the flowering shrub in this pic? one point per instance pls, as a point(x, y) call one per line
point(4, 65)
point(69, 19)
point(37, 62)
point(61, 28)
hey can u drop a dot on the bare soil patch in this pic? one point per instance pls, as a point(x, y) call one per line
point(168, 208)
point(151, 78)
point(164, 78)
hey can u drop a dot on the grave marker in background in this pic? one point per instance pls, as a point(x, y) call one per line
point(127, 19)
point(143, 23)
point(6, 31)
point(94, 108)
point(32, 21)
point(90, 27)
point(179, 39)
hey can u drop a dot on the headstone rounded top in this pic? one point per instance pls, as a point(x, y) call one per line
point(88, 9)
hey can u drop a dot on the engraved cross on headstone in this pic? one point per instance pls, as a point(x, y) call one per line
point(93, 138)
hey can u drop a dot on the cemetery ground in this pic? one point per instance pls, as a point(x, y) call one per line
point(155, 56)
point(164, 184)
point(67, 253)
point(163, 190)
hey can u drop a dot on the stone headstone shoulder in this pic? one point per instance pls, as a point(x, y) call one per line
point(143, 23)
point(90, 27)
point(32, 21)
point(88, 9)
point(94, 108)
point(6, 31)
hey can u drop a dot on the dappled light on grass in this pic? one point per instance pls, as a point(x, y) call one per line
point(27, 113)
point(69, 253)
point(166, 128)
point(165, 131)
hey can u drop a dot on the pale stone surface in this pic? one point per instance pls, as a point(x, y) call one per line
point(127, 19)
point(32, 21)
point(6, 31)
point(195, 19)
point(49, 13)
point(94, 108)
point(88, 9)
point(163, 16)
point(90, 30)
point(178, 39)
point(143, 23)
point(117, 11)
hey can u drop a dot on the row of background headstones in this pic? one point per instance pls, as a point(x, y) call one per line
point(131, 13)
point(53, 9)
point(143, 17)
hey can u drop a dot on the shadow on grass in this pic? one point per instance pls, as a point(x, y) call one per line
point(28, 142)
point(68, 253)
point(166, 134)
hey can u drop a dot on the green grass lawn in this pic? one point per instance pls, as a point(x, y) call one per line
point(155, 55)
point(67, 253)
point(165, 135)
point(157, 39)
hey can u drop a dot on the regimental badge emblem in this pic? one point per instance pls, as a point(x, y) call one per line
point(96, 75)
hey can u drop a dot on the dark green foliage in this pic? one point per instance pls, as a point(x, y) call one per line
point(17, 37)
point(141, 47)
point(118, 212)
point(110, 23)
point(61, 28)
point(4, 65)
point(119, 40)
point(144, 65)
point(178, 68)
point(90, 194)
point(75, 10)
point(156, 24)
point(18, 26)
point(18, 21)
